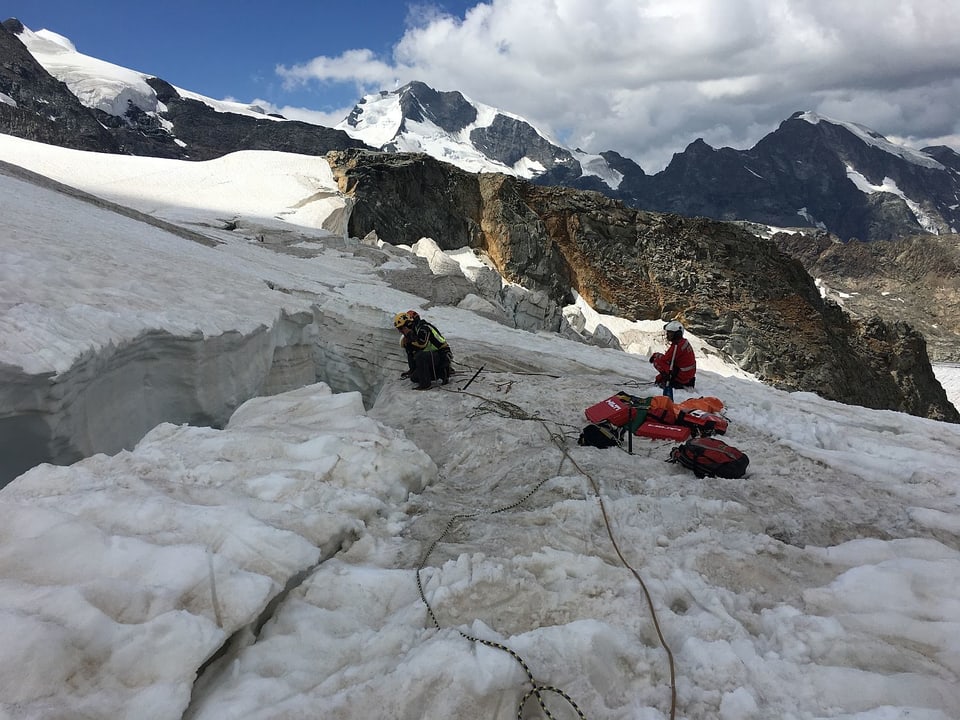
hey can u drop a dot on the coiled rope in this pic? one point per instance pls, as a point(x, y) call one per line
point(510, 410)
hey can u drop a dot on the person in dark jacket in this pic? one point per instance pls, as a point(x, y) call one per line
point(677, 367)
point(428, 354)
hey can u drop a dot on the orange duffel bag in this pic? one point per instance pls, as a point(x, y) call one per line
point(707, 404)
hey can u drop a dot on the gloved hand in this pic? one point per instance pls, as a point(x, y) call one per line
point(656, 356)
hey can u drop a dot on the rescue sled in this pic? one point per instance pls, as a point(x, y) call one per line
point(662, 431)
point(617, 409)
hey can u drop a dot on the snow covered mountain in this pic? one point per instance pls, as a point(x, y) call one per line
point(471, 135)
point(814, 172)
point(268, 523)
point(57, 95)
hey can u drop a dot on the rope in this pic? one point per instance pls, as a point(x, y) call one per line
point(512, 411)
point(512, 372)
point(537, 688)
point(643, 585)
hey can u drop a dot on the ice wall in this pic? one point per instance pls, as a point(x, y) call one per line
point(110, 399)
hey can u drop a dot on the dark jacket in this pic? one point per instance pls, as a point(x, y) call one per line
point(423, 338)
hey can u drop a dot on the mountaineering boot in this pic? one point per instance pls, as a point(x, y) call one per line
point(422, 387)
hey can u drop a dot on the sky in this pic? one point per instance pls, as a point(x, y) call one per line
point(351, 549)
point(643, 77)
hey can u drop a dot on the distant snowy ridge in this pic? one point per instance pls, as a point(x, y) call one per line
point(878, 141)
point(104, 86)
point(379, 121)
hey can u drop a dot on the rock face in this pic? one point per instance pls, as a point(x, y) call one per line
point(736, 291)
point(915, 280)
point(206, 133)
point(446, 200)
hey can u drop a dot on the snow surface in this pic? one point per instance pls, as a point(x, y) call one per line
point(284, 555)
point(805, 214)
point(297, 189)
point(598, 166)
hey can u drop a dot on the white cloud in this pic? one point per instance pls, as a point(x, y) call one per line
point(647, 78)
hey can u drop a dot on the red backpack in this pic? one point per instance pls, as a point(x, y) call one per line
point(709, 457)
point(703, 423)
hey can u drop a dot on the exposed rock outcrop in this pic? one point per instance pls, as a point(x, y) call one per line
point(915, 280)
point(205, 133)
point(736, 291)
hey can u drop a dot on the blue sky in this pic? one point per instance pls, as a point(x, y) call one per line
point(645, 78)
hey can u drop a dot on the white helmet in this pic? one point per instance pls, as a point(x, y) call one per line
point(673, 326)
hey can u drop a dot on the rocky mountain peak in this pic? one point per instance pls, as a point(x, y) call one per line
point(449, 111)
point(13, 26)
point(812, 172)
point(946, 156)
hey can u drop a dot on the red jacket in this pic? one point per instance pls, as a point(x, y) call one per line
point(678, 363)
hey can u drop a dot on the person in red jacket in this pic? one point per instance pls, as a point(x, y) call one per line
point(677, 367)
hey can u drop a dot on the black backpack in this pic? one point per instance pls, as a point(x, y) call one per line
point(709, 457)
point(603, 434)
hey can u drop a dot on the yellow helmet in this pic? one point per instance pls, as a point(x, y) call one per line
point(401, 320)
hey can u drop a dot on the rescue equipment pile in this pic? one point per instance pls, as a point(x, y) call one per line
point(692, 422)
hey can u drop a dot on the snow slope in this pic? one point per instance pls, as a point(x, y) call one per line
point(380, 552)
